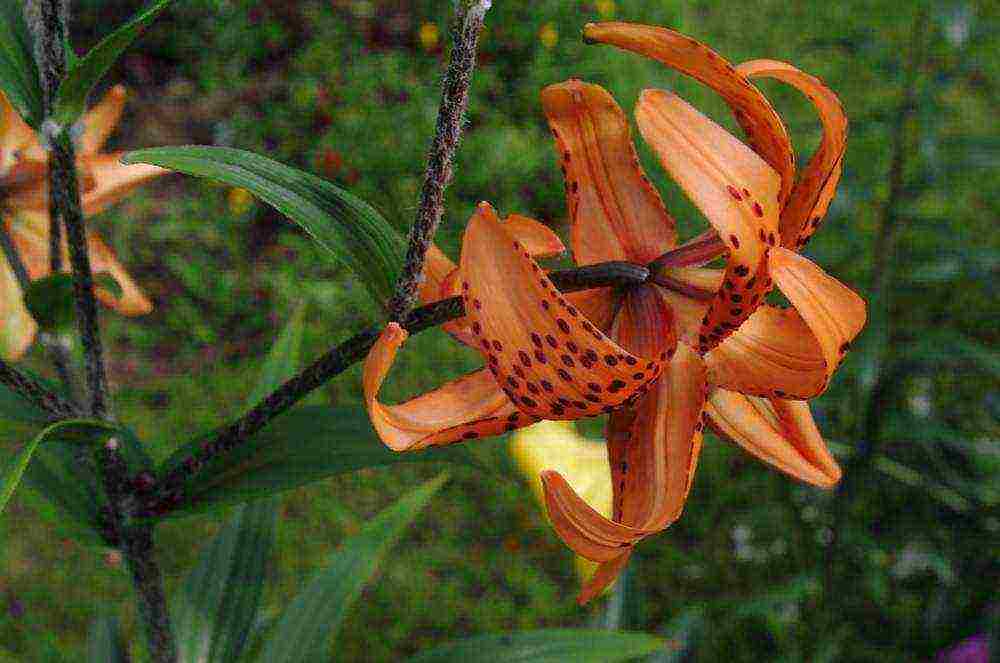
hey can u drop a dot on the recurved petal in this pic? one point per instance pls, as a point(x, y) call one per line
point(817, 184)
point(538, 239)
point(463, 409)
point(765, 131)
point(773, 353)
point(437, 268)
point(580, 526)
point(549, 359)
point(616, 212)
point(100, 121)
point(735, 189)
point(606, 573)
point(653, 454)
point(780, 432)
point(30, 233)
point(17, 327)
point(834, 313)
point(113, 180)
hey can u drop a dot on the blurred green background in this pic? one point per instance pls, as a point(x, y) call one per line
point(897, 565)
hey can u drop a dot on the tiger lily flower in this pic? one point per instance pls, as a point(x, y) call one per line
point(24, 207)
point(689, 346)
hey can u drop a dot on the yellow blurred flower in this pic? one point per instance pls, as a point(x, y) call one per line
point(606, 8)
point(428, 36)
point(556, 445)
point(548, 35)
point(240, 201)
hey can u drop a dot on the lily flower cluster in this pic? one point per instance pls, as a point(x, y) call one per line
point(692, 346)
point(24, 205)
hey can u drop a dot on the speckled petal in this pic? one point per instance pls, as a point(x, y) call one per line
point(551, 361)
point(815, 188)
point(780, 432)
point(463, 409)
point(765, 131)
point(616, 212)
point(734, 188)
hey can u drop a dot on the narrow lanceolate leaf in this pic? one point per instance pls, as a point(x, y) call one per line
point(351, 230)
point(283, 360)
point(307, 626)
point(309, 444)
point(81, 431)
point(217, 606)
point(18, 72)
point(86, 72)
point(105, 643)
point(546, 646)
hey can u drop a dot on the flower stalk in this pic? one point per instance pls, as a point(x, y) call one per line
point(454, 100)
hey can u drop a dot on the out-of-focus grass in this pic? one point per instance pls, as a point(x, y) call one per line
point(346, 89)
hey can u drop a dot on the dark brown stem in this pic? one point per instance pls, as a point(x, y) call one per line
point(454, 99)
point(48, 20)
point(355, 349)
point(36, 393)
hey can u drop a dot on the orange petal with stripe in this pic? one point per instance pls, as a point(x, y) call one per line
point(113, 180)
point(732, 186)
point(467, 408)
point(100, 121)
point(30, 232)
point(606, 573)
point(773, 353)
point(551, 361)
point(812, 193)
point(17, 327)
point(765, 131)
point(616, 212)
point(834, 313)
point(780, 432)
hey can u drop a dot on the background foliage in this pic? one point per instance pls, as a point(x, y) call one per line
point(894, 566)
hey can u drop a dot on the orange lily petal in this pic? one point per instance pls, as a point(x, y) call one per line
point(538, 239)
point(550, 360)
point(17, 328)
point(617, 214)
point(834, 313)
point(606, 573)
point(773, 353)
point(653, 457)
point(734, 188)
point(765, 131)
point(580, 526)
point(113, 180)
point(817, 184)
point(782, 433)
point(437, 268)
point(652, 468)
point(100, 121)
point(30, 233)
point(467, 408)
point(17, 139)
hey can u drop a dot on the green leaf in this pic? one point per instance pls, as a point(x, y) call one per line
point(283, 360)
point(217, 607)
point(306, 445)
point(556, 645)
point(351, 230)
point(18, 71)
point(86, 73)
point(51, 302)
point(105, 643)
point(306, 627)
point(81, 431)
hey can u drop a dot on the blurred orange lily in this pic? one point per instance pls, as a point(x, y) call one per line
point(24, 205)
point(690, 342)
